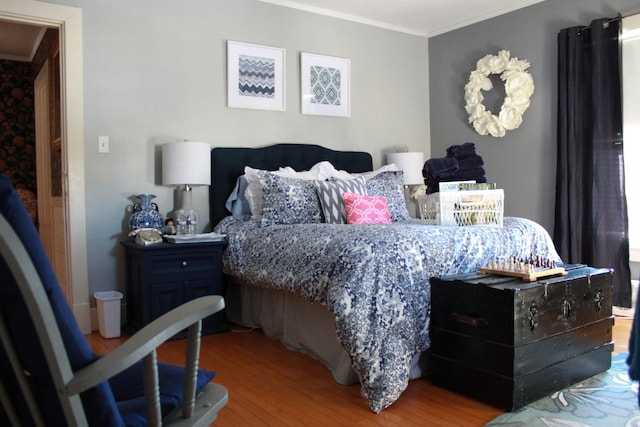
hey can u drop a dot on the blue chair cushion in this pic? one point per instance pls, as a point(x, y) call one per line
point(100, 405)
point(99, 399)
point(130, 394)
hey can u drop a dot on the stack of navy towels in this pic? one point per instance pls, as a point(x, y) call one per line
point(461, 164)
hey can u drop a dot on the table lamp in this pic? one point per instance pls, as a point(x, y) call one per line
point(411, 164)
point(186, 164)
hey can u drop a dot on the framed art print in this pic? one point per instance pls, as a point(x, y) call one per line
point(325, 85)
point(255, 76)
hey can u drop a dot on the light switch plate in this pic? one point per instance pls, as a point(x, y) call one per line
point(103, 144)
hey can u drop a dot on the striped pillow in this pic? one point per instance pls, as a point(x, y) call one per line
point(330, 195)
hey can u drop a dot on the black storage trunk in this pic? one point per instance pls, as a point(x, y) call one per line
point(508, 342)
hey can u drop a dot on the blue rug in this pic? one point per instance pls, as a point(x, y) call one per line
point(607, 399)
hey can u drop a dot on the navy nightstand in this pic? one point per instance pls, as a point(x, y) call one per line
point(161, 277)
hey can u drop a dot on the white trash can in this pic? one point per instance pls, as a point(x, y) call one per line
point(108, 313)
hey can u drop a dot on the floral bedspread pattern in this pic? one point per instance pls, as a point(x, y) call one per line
point(374, 278)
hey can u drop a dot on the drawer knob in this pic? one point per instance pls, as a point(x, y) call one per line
point(183, 264)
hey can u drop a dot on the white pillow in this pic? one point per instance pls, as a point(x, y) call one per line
point(320, 171)
point(323, 170)
point(341, 174)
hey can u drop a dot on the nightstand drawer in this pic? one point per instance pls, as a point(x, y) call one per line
point(167, 268)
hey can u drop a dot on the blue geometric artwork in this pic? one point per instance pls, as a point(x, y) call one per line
point(325, 85)
point(256, 76)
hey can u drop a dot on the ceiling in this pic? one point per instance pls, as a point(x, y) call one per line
point(18, 42)
point(420, 17)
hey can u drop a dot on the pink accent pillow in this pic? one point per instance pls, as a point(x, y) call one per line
point(363, 209)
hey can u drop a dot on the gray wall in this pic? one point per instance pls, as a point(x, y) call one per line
point(524, 161)
point(154, 72)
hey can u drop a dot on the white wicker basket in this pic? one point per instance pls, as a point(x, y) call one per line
point(461, 208)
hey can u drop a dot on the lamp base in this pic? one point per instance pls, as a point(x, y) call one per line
point(185, 198)
point(412, 205)
point(186, 221)
point(186, 218)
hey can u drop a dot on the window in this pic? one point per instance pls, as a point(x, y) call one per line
point(631, 126)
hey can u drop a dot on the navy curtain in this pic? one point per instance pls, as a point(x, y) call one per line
point(591, 209)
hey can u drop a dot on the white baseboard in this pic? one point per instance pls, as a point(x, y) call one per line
point(82, 314)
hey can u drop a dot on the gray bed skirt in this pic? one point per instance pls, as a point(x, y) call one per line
point(300, 325)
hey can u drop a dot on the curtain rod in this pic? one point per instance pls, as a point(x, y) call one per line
point(605, 24)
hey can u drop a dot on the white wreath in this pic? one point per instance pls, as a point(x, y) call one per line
point(518, 86)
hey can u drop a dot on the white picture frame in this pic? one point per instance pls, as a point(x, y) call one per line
point(244, 88)
point(325, 85)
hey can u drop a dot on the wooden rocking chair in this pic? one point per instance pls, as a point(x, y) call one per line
point(49, 374)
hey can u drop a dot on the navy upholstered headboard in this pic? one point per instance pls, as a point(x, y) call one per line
point(227, 164)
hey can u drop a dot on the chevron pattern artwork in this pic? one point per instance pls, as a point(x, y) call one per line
point(256, 76)
point(330, 194)
point(325, 85)
point(363, 209)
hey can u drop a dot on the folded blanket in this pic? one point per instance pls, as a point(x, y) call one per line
point(435, 168)
point(432, 186)
point(470, 162)
point(460, 151)
point(466, 175)
point(477, 174)
point(461, 164)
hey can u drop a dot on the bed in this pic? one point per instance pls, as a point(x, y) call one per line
point(355, 297)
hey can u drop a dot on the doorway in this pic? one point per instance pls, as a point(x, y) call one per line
point(68, 20)
point(49, 144)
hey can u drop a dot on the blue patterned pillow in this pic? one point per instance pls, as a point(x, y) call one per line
point(330, 195)
point(288, 200)
point(390, 184)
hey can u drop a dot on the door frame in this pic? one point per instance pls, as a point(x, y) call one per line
point(68, 21)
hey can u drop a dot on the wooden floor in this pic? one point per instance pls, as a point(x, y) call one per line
point(272, 386)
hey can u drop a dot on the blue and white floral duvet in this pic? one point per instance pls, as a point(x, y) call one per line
point(374, 278)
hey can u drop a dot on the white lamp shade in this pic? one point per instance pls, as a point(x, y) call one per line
point(410, 163)
point(186, 163)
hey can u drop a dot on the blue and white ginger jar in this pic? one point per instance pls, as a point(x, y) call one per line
point(145, 213)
